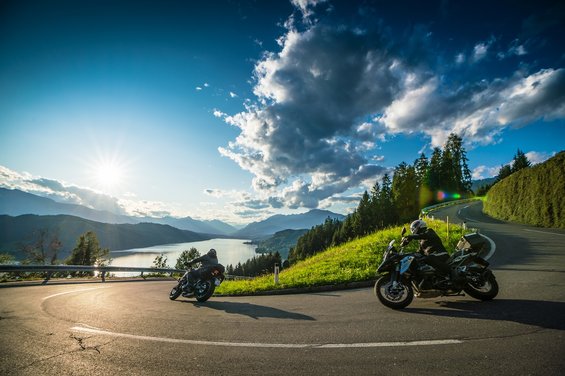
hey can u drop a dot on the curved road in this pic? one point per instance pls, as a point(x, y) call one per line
point(134, 329)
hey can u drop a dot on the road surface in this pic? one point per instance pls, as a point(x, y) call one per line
point(134, 329)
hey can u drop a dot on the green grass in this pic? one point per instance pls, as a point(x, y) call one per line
point(350, 262)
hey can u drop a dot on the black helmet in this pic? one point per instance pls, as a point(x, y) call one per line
point(418, 226)
point(212, 253)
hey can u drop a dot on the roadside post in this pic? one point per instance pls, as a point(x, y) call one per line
point(276, 274)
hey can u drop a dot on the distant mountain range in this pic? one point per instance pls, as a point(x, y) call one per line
point(280, 222)
point(23, 214)
point(16, 232)
point(15, 202)
point(477, 184)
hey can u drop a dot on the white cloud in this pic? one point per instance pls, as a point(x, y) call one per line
point(327, 99)
point(536, 157)
point(72, 194)
point(306, 6)
point(233, 95)
point(480, 51)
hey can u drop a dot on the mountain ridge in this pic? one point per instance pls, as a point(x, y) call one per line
point(16, 232)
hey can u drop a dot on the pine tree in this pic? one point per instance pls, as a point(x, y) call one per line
point(520, 161)
point(386, 202)
point(504, 172)
point(88, 251)
point(434, 172)
point(405, 192)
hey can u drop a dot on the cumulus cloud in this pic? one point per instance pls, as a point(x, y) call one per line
point(477, 111)
point(325, 101)
point(305, 134)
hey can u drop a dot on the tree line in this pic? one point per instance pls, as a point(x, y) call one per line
point(445, 175)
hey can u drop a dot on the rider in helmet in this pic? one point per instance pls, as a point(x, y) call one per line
point(208, 262)
point(432, 247)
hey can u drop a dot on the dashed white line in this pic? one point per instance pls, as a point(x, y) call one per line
point(92, 330)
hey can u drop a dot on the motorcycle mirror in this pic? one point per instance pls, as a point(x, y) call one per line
point(403, 231)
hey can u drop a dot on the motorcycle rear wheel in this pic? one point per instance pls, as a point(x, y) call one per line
point(204, 290)
point(486, 289)
point(395, 297)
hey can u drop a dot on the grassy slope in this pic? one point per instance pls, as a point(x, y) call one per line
point(534, 195)
point(353, 261)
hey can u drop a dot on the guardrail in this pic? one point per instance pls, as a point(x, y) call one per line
point(50, 269)
point(431, 208)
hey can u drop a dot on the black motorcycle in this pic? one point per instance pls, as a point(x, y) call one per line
point(406, 275)
point(203, 288)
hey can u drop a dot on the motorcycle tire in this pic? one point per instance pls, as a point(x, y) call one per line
point(204, 290)
point(175, 292)
point(487, 290)
point(399, 298)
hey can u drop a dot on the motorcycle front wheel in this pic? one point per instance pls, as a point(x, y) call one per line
point(482, 287)
point(175, 292)
point(204, 290)
point(393, 296)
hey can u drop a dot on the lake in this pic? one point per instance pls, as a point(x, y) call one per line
point(230, 251)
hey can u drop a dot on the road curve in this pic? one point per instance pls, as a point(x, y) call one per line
point(133, 328)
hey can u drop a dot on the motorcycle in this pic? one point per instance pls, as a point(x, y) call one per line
point(203, 288)
point(406, 275)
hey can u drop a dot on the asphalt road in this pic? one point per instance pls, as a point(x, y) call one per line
point(134, 329)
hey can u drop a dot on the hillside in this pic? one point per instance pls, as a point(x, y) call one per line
point(353, 261)
point(21, 230)
point(534, 195)
point(280, 242)
point(280, 222)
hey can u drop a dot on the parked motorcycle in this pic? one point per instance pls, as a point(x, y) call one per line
point(203, 288)
point(406, 275)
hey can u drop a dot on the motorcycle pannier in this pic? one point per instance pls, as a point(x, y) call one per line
point(473, 242)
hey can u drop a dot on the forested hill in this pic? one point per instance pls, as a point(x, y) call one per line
point(25, 230)
point(534, 195)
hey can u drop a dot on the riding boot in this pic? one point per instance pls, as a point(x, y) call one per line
point(456, 278)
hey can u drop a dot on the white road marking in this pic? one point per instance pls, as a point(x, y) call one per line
point(492, 247)
point(92, 330)
point(73, 291)
point(545, 232)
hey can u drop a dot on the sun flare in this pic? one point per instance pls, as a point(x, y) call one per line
point(108, 175)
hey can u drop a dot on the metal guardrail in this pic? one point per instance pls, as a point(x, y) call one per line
point(50, 269)
point(431, 208)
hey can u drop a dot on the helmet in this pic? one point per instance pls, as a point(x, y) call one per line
point(418, 226)
point(212, 253)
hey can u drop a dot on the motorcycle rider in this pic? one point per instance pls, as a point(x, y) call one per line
point(209, 262)
point(431, 246)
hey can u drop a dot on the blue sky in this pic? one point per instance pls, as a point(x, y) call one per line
point(238, 110)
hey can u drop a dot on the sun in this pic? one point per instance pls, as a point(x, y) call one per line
point(108, 174)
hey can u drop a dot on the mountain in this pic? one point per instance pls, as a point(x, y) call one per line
point(280, 242)
point(15, 202)
point(477, 184)
point(23, 230)
point(279, 222)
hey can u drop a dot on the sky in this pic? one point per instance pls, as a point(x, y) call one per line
point(239, 110)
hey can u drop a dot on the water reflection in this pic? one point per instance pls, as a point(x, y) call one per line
point(230, 251)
